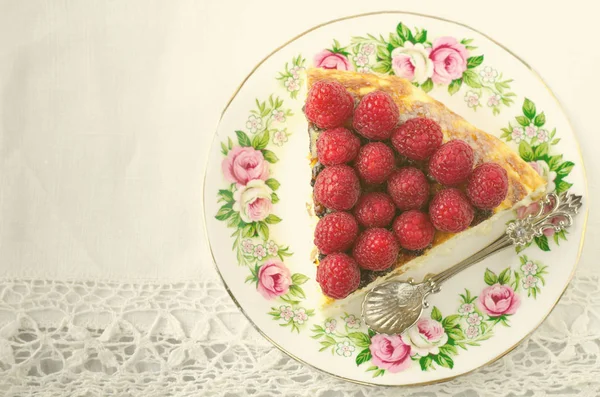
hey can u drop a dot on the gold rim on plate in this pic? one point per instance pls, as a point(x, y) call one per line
point(586, 195)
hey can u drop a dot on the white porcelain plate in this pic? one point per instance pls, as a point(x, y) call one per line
point(257, 189)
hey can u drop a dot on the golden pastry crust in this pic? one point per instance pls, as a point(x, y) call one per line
point(414, 102)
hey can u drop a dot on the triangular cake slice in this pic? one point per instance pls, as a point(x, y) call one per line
point(524, 183)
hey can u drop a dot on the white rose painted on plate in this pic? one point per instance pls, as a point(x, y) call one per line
point(542, 168)
point(412, 62)
point(253, 201)
point(425, 337)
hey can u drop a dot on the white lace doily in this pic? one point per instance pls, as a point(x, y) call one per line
point(189, 338)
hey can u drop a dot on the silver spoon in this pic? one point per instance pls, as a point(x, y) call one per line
point(395, 306)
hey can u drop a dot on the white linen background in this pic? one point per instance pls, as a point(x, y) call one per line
point(107, 110)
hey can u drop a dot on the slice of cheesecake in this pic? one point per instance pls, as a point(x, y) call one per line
point(523, 182)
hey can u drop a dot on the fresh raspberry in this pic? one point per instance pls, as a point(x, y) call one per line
point(450, 211)
point(452, 163)
point(417, 138)
point(375, 209)
point(337, 146)
point(376, 249)
point(337, 187)
point(376, 115)
point(414, 230)
point(338, 275)
point(335, 232)
point(488, 186)
point(328, 104)
point(375, 162)
point(408, 188)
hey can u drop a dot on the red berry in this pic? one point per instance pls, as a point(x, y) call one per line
point(450, 211)
point(414, 230)
point(417, 138)
point(337, 146)
point(376, 115)
point(375, 162)
point(338, 275)
point(488, 186)
point(335, 232)
point(452, 163)
point(408, 188)
point(337, 187)
point(375, 209)
point(376, 249)
point(328, 104)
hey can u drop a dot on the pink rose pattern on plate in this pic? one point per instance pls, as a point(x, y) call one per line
point(249, 202)
point(338, 57)
point(244, 164)
point(449, 60)
point(328, 59)
point(498, 300)
point(389, 352)
point(250, 198)
point(433, 341)
point(443, 61)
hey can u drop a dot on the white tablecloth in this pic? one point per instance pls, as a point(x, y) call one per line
point(107, 110)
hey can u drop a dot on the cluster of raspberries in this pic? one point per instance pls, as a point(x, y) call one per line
point(387, 186)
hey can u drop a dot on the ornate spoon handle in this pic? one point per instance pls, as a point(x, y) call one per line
point(394, 306)
point(556, 212)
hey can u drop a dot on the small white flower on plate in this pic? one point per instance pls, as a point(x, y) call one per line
point(272, 248)
point(361, 59)
point(474, 319)
point(286, 312)
point(517, 134)
point(368, 49)
point(280, 137)
point(300, 316)
point(330, 326)
point(472, 332)
point(472, 99)
point(292, 84)
point(488, 74)
point(247, 246)
point(494, 100)
point(344, 349)
point(466, 308)
point(530, 131)
point(352, 322)
point(542, 135)
point(529, 268)
point(295, 71)
point(254, 124)
point(278, 115)
point(530, 281)
point(259, 251)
